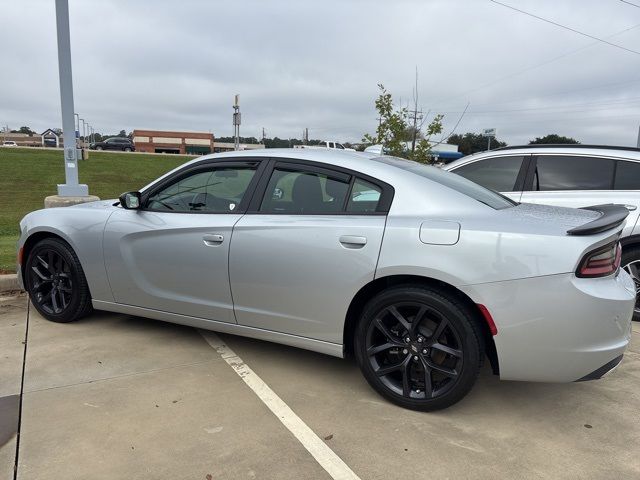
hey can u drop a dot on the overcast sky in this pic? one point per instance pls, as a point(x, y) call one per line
point(176, 65)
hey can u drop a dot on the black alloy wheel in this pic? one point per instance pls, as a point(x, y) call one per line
point(56, 283)
point(419, 348)
point(631, 264)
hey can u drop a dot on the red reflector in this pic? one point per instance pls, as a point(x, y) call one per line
point(20, 256)
point(489, 319)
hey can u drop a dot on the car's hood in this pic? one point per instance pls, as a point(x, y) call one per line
point(96, 204)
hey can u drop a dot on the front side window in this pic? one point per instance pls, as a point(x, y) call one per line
point(563, 172)
point(498, 173)
point(304, 192)
point(218, 190)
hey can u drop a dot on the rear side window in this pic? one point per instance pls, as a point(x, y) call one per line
point(498, 173)
point(304, 192)
point(627, 176)
point(559, 172)
point(364, 197)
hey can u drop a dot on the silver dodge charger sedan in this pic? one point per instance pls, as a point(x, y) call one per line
point(418, 273)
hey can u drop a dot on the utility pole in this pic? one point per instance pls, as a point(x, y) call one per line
point(236, 122)
point(415, 115)
point(638, 143)
point(264, 136)
point(71, 188)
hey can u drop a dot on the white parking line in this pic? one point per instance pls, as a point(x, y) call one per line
point(326, 457)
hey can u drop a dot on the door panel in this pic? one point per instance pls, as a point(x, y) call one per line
point(173, 262)
point(297, 274)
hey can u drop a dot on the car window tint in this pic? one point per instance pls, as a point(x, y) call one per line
point(303, 192)
point(364, 197)
point(559, 172)
point(216, 191)
point(499, 173)
point(627, 176)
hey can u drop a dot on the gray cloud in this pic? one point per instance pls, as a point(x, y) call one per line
point(177, 65)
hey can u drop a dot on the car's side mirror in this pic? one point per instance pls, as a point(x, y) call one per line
point(130, 200)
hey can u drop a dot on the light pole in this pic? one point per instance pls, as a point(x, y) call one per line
point(77, 132)
point(84, 130)
point(71, 187)
point(236, 123)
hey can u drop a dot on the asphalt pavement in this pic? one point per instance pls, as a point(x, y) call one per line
point(115, 396)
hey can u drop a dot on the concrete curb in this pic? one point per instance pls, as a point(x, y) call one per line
point(9, 283)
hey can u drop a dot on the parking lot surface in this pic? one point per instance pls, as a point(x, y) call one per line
point(114, 396)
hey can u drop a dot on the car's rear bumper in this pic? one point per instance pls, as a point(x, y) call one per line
point(598, 373)
point(558, 328)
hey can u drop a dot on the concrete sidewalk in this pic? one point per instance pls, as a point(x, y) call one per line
point(115, 396)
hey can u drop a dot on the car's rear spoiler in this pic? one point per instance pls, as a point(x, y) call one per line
point(611, 216)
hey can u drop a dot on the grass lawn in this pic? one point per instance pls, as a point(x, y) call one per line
point(27, 175)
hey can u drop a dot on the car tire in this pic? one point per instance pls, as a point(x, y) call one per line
point(428, 364)
point(98, 147)
point(127, 149)
point(631, 263)
point(56, 283)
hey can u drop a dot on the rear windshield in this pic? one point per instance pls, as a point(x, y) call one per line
point(452, 181)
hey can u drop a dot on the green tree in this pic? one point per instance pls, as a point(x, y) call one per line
point(393, 131)
point(553, 138)
point(469, 142)
point(26, 130)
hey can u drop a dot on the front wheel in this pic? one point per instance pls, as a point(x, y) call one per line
point(419, 347)
point(98, 147)
point(631, 263)
point(127, 149)
point(55, 281)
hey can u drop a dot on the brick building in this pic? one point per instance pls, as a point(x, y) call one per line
point(189, 143)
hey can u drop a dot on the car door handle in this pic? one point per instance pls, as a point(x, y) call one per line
point(631, 208)
point(213, 239)
point(353, 241)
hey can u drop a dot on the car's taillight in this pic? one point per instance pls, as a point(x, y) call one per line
point(601, 262)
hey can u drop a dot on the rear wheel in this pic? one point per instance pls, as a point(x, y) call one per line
point(419, 347)
point(127, 149)
point(56, 283)
point(631, 263)
point(98, 147)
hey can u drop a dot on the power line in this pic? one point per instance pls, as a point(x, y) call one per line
point(532, 67)
point(567, 28)
point(629, 3)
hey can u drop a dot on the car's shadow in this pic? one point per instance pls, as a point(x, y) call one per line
point(490, 395)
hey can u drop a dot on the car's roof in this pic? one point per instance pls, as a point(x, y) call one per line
point(631, 153)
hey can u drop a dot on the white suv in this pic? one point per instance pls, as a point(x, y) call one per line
point(567, 176)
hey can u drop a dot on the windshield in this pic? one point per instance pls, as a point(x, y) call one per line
point(452, 181)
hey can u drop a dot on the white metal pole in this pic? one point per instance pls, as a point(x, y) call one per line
point(71, 188)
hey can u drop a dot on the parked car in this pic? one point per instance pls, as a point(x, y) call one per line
point(114, 143)
point(566, 176)
point(420, 281)
point(9, 143)
point(326, 144)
